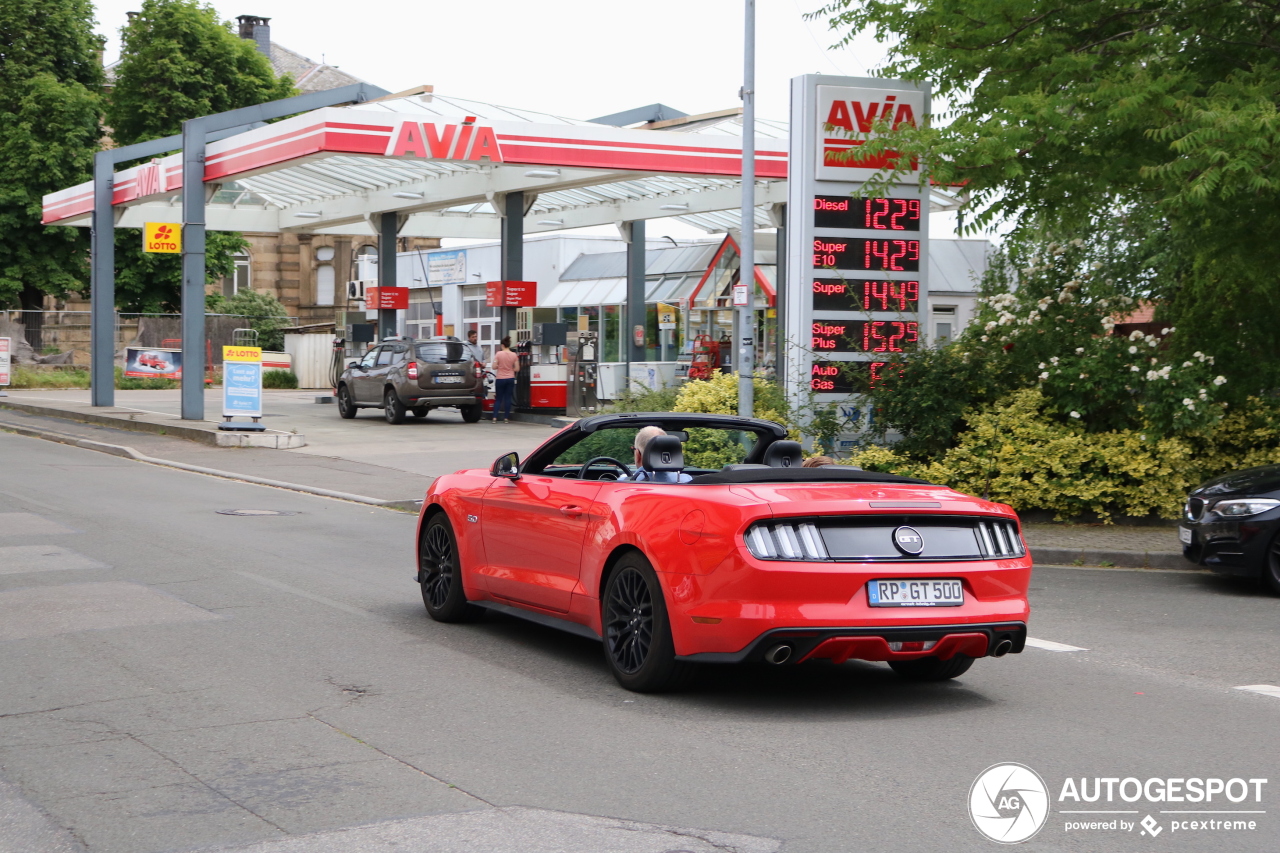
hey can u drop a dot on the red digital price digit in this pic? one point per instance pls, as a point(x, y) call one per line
point(880, 207)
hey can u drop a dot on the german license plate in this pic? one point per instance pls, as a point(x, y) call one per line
point(446, 379)
point(931, 592)
point(1184, 535)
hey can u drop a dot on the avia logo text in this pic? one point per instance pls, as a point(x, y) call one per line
point(466, 141)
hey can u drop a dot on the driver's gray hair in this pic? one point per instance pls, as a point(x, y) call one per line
point(646, 433)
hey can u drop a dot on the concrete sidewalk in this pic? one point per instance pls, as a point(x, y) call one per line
point(368, 457)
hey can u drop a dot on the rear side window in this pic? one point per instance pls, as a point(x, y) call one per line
point(441, 352)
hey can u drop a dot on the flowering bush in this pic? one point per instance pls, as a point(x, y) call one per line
point(719, 395)
point(1018, 452)
point(1045, 320)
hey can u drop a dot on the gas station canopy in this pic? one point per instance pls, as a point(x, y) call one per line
point(440, 163)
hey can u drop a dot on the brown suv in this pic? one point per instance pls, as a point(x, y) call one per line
point(402, 377)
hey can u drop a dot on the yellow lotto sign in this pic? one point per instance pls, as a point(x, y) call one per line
point(666, 316)
point(162, 237)
point(242, 353)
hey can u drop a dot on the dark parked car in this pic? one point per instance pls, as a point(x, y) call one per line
point(403, 376)
point(1231, 524)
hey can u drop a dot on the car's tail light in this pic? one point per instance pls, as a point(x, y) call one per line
point(1000, 539)
point(785, 540)
point(413, 370)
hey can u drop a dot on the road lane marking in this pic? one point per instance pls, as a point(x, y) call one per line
point(1264, 689)
point(319, 599)
point(1051, 646)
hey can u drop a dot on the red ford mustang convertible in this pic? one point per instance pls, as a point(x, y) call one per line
point(718, 547)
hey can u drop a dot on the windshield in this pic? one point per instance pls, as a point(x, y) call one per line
point(440, 352)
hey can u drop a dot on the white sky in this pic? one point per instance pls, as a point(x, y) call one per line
point(577, 58)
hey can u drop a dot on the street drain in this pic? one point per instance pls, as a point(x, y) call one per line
point(255, 512)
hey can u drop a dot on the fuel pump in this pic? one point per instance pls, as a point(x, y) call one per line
point(583, 350)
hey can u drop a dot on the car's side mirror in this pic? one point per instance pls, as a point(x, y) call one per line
point(507, 466)
point(352, 365)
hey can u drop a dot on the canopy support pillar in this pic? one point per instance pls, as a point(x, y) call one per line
point(512, 254)
point(193, 268)
point(635, 293)
point(388, 227)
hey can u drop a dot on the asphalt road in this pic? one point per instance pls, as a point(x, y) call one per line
point(175, 679)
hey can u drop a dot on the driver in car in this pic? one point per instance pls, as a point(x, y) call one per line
point(642, 474)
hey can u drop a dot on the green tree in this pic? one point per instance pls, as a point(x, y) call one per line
point(179, 62)
point(50, 86)
point(265, 315)
point(1083, 115)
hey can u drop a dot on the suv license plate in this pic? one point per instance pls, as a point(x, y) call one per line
point(915, 593)
point(449, 380)
point(1184, 535)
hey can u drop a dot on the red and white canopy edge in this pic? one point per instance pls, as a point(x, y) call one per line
point(443, 161)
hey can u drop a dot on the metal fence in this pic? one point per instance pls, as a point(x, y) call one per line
point(45, 332)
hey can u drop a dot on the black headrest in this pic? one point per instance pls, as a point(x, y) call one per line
point(784, 454)
point(663, 453)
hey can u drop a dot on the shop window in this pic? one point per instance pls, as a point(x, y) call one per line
point(610, 349)
point(239, 279)
point(325, 283)
point(367, 263)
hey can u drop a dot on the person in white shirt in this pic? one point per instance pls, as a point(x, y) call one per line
point(642, 474)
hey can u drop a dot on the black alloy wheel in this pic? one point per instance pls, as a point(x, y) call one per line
point(931, 668)
point(392, 408)
point(346, 406)
point(637, 634)
point(440, 574)
point(471, 414)
point(1272, 571)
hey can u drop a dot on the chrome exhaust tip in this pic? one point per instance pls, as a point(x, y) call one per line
point(779, 654)
point(1002, 648)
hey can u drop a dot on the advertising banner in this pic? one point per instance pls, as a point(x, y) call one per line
point(242, 381)
point(6, 346)
point(153, 363)
point(447, 267)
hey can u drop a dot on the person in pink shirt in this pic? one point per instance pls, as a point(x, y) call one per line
point(505, 365)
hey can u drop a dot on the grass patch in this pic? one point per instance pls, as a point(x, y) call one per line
point(24, 376)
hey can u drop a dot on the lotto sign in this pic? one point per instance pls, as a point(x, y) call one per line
point(242, 381)
point(162, 237)
point(666, 316)
point(6, 345)
point(857, 268)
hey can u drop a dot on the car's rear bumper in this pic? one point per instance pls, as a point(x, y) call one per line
point(434, 400)
point(731, 613)
point(839, 644)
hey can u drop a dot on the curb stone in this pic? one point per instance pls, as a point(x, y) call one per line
point(129, 453)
